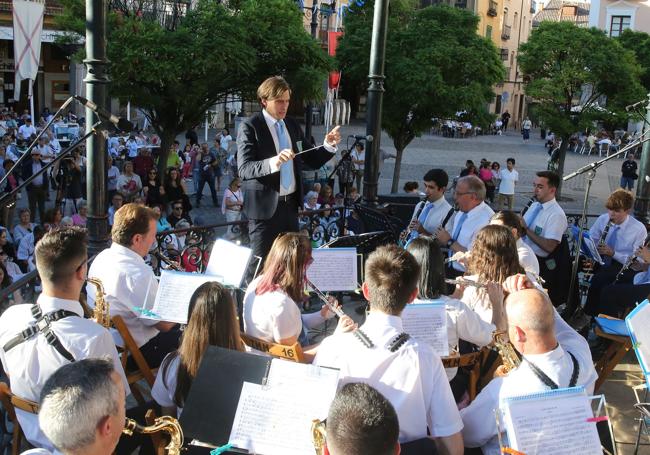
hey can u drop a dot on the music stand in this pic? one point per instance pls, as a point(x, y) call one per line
point(375, 220)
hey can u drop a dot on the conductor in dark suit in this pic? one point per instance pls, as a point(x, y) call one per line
point(271, 172)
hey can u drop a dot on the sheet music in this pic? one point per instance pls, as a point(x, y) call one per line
point(230, 261)
point(638, 322)
point(276, 420)
point(304, 378)
point(552, 423)
point(334, 269)
point(426, 321)
point(173, 297)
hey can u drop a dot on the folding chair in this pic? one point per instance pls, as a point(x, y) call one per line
point(603, 148)
point(470, 360)
point(131, 348)
point(288, 352)
point(10, 402)
point(612, 356)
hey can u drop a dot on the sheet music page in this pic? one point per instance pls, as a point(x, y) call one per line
point(334, 269)
point(638, 321)
point(275, 420)
point(304, 378)
point(173, 297)
point(230, 261)
point(426, 321)
point(555, 424)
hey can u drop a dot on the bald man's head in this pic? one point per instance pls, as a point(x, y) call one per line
point(531, 309)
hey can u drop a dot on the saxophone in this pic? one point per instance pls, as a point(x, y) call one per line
point(165, 423)
point(318, 434)
point(507, 352)
point(101, 313)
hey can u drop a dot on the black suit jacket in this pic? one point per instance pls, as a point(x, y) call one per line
point(260, 185)
point(27, 172)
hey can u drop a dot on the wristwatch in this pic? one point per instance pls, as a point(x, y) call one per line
point(450, 242)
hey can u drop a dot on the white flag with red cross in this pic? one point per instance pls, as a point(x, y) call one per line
point(28, 25)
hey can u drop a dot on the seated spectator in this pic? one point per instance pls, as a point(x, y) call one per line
point(154, 191)
point(326, 196)
point(81, 217)
point(177, 214)
point(211, 321)
point(24, 227)
point(311, 201)
point(411, 187)
point(116, 202)
point(7, 212)
point(231, 206)
point(113, 173)
point(175, 190)
point(361, 421)
point(52, 218)
point(25, 254)
point(5, 281)
point(162, 224)
point(129, 183)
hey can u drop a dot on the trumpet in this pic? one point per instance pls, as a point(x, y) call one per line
point(360, 334)
point(165, 423)
point(465, 282)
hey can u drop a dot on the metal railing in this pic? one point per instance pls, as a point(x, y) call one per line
point(505, 32)
point(492, 8)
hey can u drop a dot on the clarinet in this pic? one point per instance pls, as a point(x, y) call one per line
point(527, 206)
point(406, 233)
point(603, 238)
point(630, 260)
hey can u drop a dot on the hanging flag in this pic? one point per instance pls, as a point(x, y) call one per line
point(28, 25)
point(332, 43)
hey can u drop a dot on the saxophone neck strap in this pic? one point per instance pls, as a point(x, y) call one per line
point(43, 324)
point(548, 381)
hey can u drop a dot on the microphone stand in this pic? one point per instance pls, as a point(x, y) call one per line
point(346, 202)
point(590, 171)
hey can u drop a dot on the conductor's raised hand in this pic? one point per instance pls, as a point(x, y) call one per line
point(333, 137)
point(282, 157)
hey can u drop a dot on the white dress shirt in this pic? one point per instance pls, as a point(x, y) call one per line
point(270, 122)
point(412, 378)
point(478, 217)
point(463, 324)
point(129, 283)
point(436, 214)
point(527, 257)
point(164, 387)
point(30, 363)
point(630, 236)
point(478, 418)
point(549, 223)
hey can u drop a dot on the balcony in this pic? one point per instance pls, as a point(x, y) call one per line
point(505, 33)
point(504, 54)
point(492, 8)
point(461, 4)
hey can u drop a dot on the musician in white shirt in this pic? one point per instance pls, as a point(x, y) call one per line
point(623, 237)
point(473, 214)
point(554, 356)
point(61, 259)
point(128, 281)
point(408, 373)
point(430, 213)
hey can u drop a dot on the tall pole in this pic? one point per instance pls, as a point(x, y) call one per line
point(375, 99)
point(642, 203)
point(96, 81)
point(310, 106)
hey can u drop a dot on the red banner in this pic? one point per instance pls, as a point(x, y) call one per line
point(332, 43)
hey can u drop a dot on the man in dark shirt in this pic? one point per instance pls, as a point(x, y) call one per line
point(628, 172)
point(177, 214)
point(207, 165)
point(505, 118)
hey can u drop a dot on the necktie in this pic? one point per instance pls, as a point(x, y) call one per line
point(611, 242)
point(531, 216)
point(421, 219)
point(461, 220)
point(283, 141)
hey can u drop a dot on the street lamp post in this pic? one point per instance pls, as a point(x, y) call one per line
point(642, 203)
point(375, 99)
point(96, 81)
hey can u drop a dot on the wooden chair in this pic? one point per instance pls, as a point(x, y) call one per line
point(613, 355)
point(157, 438)
point(131, 348)
point(12, 402)
point(288, 352)
point(471, 361)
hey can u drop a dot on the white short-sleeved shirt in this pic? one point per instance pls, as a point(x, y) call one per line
point(164, 387)
point(127, 281)
point(549, 223)
point(32, 362)
point(478, 418)
point(272, 316)
point(412, 378)
point(478, 217)
point(508, 181)
point(630, 236)
point(527, 257)
point(436, 215)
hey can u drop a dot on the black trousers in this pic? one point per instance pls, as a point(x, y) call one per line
point(263, 232)
point(616, 299)
point(603, 278)
point(155, 350)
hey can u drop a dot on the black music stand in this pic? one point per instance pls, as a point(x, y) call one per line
point(375, 220)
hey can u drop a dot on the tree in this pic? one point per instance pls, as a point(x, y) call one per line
point(436, 65)
point(574, 84)
point(175, 74)
point(639, 43)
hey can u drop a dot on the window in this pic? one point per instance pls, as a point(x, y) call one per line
point(619, 23)
point(488, 32)
point(569, 11)
point(514, 22)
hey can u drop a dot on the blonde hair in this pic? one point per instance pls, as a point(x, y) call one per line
point(272, 88)
point(494, 254)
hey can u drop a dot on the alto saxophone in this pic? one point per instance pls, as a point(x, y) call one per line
point(318, 434)
point(101, 313)
point(165, 423)
point(507, 352)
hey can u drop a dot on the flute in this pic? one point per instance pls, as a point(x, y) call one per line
point(360, 334)
point(465, 282)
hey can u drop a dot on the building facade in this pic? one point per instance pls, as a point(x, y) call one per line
point(614, 16)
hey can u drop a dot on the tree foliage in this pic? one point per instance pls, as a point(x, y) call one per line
point(578, 76)
point(175, 75)
point(639, 43)
point(436, 65)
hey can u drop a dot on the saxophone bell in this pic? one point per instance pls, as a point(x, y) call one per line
point(318, 435)
point(101, 312)
point(507, 352)
point(165, 423)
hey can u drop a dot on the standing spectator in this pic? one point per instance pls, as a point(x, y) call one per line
point(470, 169)
point(191, 136)
point(129, 183)
point(154, 191)
point(231, 206)
point(485, 174)
point(505, 118)
point(81, 217)
point(217, 151)
point(508, 179)
point(175, 190)
point(25, 253)
point(143, 163)
point(24, 227)
point(174, 159)
point(358, 159)
point(5, 281)
point(207, 162)
point(7, 212)
point(70, 186)
point(26, 131)
point(628, 172)
point(412, 188)
point(496, 167)
point(132, 147)
point(525, 129)
point(224, 140)
point(113, 174)
point(345, 172)
point(37, 190)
